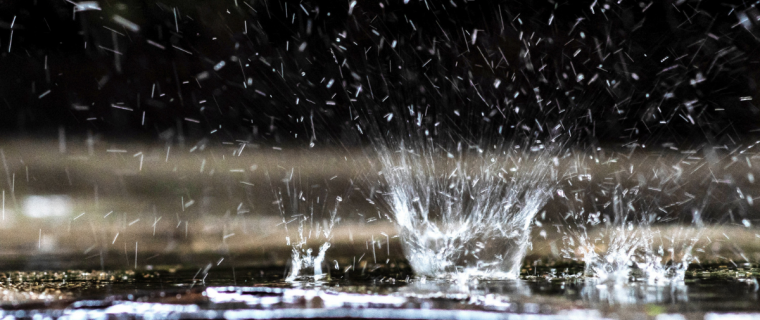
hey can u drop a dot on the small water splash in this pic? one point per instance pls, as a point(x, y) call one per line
point(465, 211)
point(644, 253)
point(315, 223)
point(306, 266)
point(614, 263)
point(624, 232)
point(656, 256)
point(668, 254)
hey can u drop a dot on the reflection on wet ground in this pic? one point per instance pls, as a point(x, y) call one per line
point(382, 292)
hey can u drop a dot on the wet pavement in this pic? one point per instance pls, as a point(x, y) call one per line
point(378, 292)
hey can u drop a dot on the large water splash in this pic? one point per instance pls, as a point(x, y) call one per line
point(466, 211)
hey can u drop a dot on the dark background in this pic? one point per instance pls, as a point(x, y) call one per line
point(664, 72)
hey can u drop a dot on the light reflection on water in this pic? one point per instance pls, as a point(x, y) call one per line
point(417, 300)
point(634, 293)
point(130, 296)
point(371, 313)
point(425, 301)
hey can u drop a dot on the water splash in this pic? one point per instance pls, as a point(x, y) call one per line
point(465, 211)
point(668, 254)
point(315, 222)
point(612, 264)
point(305, 266)
point(642, 253)
point(627, 231)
